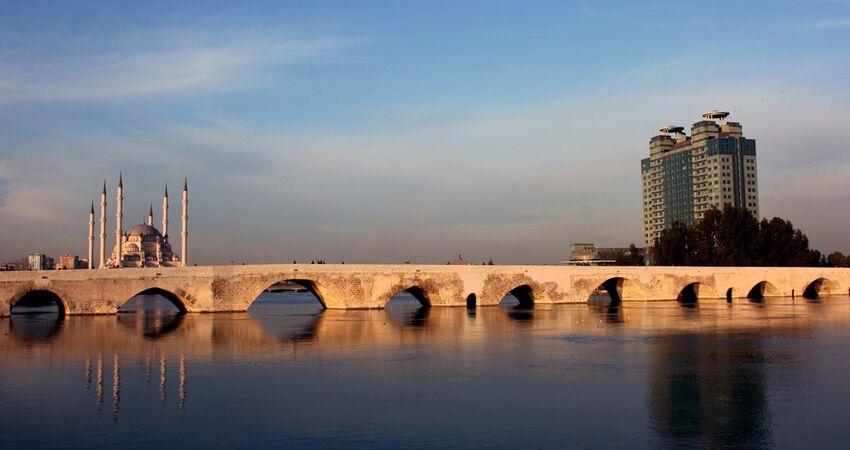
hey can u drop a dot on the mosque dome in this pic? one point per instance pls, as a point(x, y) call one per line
point(144, 230)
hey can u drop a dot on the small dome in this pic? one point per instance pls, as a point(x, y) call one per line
point(143, 230)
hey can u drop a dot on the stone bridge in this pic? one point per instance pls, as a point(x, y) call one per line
point(350, 286)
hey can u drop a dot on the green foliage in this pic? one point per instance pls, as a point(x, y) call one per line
point(733, 237)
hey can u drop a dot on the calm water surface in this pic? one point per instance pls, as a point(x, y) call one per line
point(286, 374)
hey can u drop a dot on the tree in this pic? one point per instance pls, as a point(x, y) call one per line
point(837, 259)
point(675, 246)
point(635, 258)
point(733, 237)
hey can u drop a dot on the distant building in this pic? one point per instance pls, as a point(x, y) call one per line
point(71, 262)
point(143, 245)
point(37, 261)
point(587, 254)
point(685, 176)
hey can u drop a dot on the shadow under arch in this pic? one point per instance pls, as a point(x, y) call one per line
point(294, 285)
point(820, 287)
point(417, 292)
point(762, 289)
point(614, 290)
point(471, 301)
point(38, 301)
point(524, 294)
point(729, 294)
point(690, 294)
point(173, 298)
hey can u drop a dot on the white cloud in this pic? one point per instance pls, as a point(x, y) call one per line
point(166, 64)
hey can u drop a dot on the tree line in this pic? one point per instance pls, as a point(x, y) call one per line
point(734, 237)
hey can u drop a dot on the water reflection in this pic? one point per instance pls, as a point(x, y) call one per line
point(690, 376)
point(35, 328)
point(152, 324)
point(709, 391)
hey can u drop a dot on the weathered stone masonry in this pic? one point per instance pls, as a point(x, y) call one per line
point(234, 288)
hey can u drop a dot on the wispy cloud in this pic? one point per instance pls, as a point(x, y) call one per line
point(829, 24)
point(170, 63)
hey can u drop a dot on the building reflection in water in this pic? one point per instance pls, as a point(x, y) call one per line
point(709, 390)
point(162, 379)
point(99, 382)
point(116, 385)
point(182, 390)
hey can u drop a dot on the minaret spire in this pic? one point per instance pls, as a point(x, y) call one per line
point(119, 219)
point(150, 215)
point(102, 263)
point(185, 232)
point(91, 235)
point(165, 213)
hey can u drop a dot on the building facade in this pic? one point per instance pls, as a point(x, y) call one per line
point(685, 176)
point(71, 262)
point(37, 261)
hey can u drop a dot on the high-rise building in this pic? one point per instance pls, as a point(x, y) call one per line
point(37, 261)
point(685, 176)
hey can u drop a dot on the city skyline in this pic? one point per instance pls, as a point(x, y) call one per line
point(407, 132)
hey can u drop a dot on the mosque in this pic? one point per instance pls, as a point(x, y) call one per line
point(143, 245)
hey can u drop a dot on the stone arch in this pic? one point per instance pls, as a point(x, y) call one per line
point(38, 295)
point(312, 286)
point(471, 301)
point(524, 293)
point(420, 294)
point(689, 293)
point(619, 289)
point(730, 294)
point(820, 286)
point(761, 290)
point(178, 299)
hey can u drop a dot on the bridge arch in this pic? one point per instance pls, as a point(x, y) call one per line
point(471, 301)
point(761, 290)
point(618, 289)
point(178, 300)
point(691, 293)
point(310, 285)
point(424, 297)
point(38, 297)
point(524, 293)
point(820, 287)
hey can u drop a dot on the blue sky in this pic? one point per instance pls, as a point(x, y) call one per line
point(395, 131)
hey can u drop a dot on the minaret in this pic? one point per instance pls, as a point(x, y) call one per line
point(91, 234)
point(185, 233)
point(103, 227)
point(150, 216)
point(119, 219)
point(165, 213)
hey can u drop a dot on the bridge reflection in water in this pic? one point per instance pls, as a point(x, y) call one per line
point(704, 369)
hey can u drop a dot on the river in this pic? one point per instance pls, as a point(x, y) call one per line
point(774, 374)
